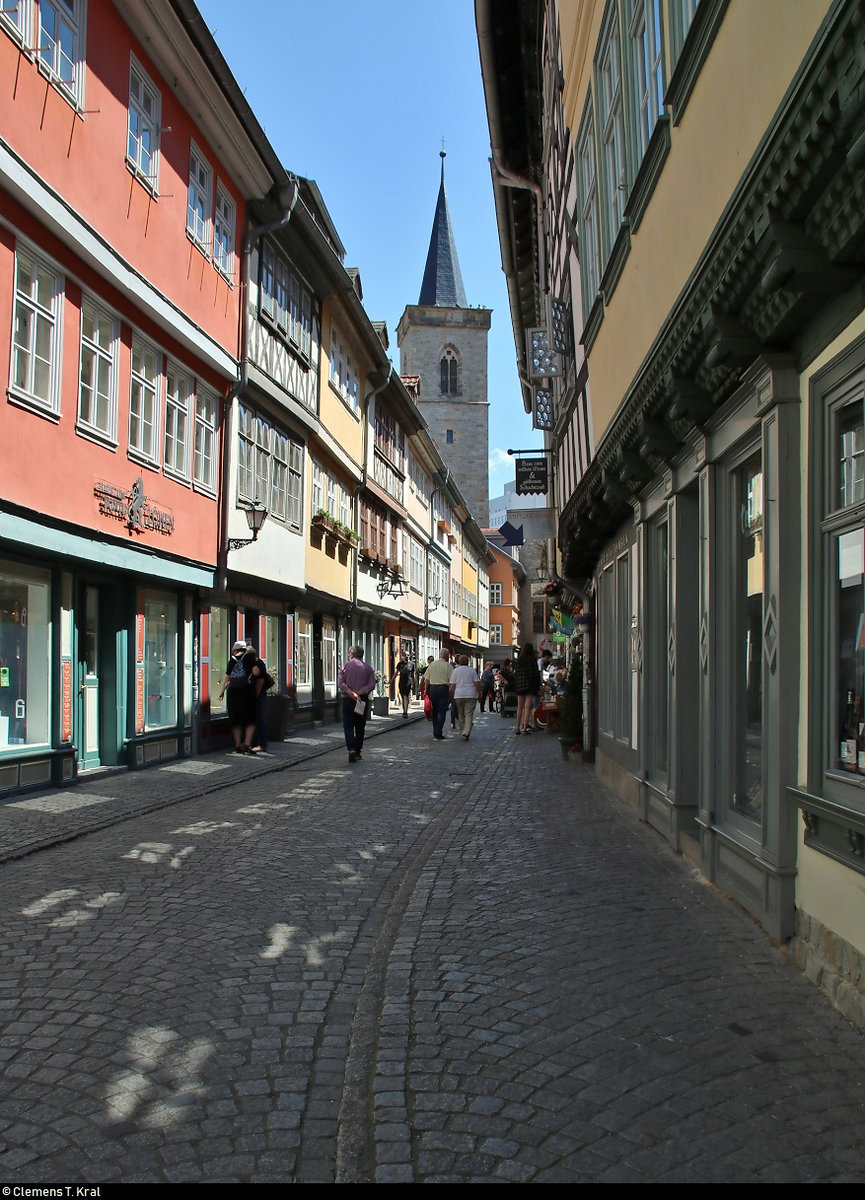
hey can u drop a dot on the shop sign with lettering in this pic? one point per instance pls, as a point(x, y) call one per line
point(531, 476)
point(133, 508)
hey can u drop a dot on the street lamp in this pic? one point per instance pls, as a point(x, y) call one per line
point(255, 517)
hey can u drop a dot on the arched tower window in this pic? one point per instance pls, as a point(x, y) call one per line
point(449, 372)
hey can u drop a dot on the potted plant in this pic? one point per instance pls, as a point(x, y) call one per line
point(381, 700)
point(571, 712)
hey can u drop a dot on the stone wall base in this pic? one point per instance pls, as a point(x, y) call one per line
point(835, 966)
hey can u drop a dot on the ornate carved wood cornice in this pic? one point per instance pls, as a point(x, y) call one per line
point(790, 242)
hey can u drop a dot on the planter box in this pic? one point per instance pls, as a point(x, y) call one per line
point(380, 706)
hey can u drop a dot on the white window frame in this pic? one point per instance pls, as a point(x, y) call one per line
point(224, 223)
point(264, 464)
point(140, 387)
point(294, 490)
point(204, 439)
point(179, 398)
point(611, 120)
point(343, 374)
point(647, 60)
point(303, 651)
point(42, 315)
point(345, 507)
point(279, 475)
point(496, 635)
point(61, 57)
point(246, 454)
point(148, 123)
point(199, 200)
point(16, 17)
point(589, 214)
point(416, 557)
point(496, 593)
point(99, 351)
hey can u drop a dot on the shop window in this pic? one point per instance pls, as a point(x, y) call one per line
point(269, 650)
point(220, 648)
point(303, 651)
point(844, 535)
point(658, 632)
point(328, 650)
point(24, 656)
point(746, 668)
point(160, 660)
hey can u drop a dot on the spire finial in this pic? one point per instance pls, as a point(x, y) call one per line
point(443, 156)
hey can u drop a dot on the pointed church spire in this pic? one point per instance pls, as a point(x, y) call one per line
point(442, 285)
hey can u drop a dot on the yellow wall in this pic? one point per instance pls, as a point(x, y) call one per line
point(735, 98)
point(833, 894)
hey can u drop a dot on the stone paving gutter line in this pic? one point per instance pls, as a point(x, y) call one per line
point(24, 830)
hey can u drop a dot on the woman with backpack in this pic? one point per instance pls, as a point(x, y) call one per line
point(241, 700)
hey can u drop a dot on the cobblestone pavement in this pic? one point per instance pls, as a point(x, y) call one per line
point(449, 962)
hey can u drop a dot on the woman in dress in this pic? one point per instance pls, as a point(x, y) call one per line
point(527, 682)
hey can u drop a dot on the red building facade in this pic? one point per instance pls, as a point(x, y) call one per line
point(120, 263)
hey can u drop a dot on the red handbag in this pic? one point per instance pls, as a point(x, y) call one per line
point(427, 707)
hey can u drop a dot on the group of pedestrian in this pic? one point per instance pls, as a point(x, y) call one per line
point(451, 688)
point(245, 686)
point(456, 688)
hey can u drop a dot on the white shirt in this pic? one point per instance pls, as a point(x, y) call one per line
point(465, 680)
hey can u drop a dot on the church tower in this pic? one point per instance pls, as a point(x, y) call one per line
point(444, 342)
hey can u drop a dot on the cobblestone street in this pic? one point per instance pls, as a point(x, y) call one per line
point(449, 962)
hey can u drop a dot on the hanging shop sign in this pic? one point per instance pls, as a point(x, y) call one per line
point(133, 508)
point(531, 476)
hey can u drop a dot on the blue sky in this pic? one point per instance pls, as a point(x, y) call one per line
point(358, 97)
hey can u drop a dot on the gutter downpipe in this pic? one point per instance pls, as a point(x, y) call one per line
point(250, 238)
point(220, 583)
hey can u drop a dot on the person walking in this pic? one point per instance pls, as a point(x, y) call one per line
point(402, 675)
point(488, 685)
point(527, 684)
point(241, 701)
point(356, 681)
point(437, 685)
point(465, 690)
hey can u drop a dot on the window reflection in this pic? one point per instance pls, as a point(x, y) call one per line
point(747, 708)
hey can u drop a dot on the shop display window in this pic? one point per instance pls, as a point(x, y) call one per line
point(220, 650)
point(24, 657)
point(747, 666)
point(160, 659)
